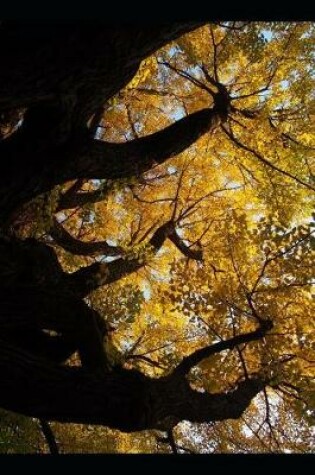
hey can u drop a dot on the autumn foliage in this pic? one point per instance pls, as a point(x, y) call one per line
point(201, 263)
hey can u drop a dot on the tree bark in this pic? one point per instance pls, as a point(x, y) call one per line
point(88, 63)
point(122, 399)
point(25, 174)
point(49, 437)
point(82, 248)
point(72, 199)
point(89, 278)
point(62, 76)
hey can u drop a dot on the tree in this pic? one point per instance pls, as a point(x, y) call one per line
point(157, 230)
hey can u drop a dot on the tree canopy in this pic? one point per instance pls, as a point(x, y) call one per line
point(158, 235)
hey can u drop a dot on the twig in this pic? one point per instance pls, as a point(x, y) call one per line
point(264, 160)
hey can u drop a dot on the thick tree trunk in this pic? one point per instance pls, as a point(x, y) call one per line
point(86, 63)
point(27, 310)
point(39, 389)
point(63, 75)
point(35, 384)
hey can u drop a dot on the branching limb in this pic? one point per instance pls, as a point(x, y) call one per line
point(195, 254)
point(78, 247)
point(108, 160)
point(192, 360)
point(264, 160)
point(89, 278)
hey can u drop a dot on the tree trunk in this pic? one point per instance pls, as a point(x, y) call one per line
point(63, 75)
point(87, 63)
point(39, 389)
point(122, 399)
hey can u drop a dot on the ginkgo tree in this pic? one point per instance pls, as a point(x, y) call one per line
point(157, 253)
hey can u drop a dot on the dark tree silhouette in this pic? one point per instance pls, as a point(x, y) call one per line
point(61, 76)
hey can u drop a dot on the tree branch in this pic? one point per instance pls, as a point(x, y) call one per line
point(73, 200)
point(189, 77)
point(224, 405)
point(129, 159)
point(192, 360)
point(195, 254)
point(78, 247)
point(264, 160)
point(89, 278)
point(171, 441)
point(49, 437)
point(83, 157)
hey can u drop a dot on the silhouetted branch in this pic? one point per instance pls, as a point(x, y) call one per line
point(64, 239)
point(49, 437)
point(195, 254)
point(192, 360)
point(264, 160)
